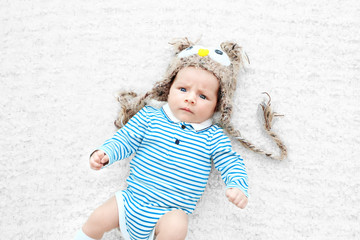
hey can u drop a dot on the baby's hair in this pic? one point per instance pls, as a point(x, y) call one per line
point(131, 103)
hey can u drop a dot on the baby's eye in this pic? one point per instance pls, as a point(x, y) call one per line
point(183, 89)
point(202, 96)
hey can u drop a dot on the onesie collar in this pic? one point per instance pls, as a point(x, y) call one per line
point(196, 126)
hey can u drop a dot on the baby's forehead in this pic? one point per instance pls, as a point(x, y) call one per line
point(206, 86)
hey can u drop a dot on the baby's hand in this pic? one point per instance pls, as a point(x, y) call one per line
point(237, 197)
point(98, 159)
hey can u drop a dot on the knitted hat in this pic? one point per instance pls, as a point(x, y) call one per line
point(224, 62)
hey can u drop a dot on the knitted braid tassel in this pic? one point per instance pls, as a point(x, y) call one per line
point(268, 117)
point(130, 104)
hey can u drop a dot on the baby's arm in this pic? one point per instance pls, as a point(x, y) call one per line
point(232, 169)
point(124, 142)
point(98, 159)
point(237, 197)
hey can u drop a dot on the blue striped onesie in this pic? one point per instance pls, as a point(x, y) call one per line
point(170, 168)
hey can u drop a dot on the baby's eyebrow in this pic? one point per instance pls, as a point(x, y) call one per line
point(206, 90)
point(182, 84)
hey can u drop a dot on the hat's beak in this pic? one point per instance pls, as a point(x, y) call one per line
point(203, 52)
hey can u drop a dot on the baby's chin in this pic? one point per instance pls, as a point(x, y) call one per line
point(190, 119)
point(185, 117)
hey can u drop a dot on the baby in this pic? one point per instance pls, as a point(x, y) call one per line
point(174, 147)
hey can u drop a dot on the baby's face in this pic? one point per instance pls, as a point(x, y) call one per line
point(193, 95)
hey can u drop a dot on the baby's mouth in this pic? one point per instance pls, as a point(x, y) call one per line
point(186, 110)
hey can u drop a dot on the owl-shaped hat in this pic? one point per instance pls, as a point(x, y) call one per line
point(225, 63)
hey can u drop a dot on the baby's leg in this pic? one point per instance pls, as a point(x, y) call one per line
point(173, 225)
point(103, 219)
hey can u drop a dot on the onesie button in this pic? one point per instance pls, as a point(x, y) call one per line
point(177, 141)
point(183, 126)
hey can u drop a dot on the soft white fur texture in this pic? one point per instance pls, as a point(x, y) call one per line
point(62, 62)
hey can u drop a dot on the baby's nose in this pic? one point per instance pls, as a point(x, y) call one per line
point(190, 98)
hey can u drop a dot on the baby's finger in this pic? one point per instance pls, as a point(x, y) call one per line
point(242, 203)
point(105, 159)
point(229, 194)
point(100, 154)
point(95, 162)
point(235, 200)
point(95, 158)
point(95, 165)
